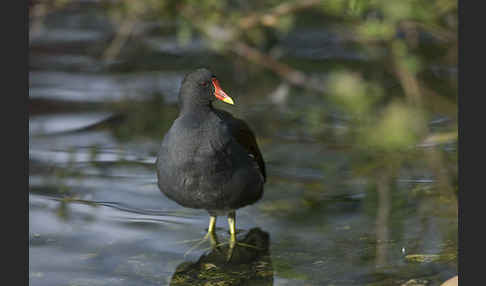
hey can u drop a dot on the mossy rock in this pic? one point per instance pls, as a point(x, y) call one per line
point(248, 265)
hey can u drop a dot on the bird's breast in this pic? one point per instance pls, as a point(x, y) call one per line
point(191, 153)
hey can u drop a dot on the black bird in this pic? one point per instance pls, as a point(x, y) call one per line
point(209, 159)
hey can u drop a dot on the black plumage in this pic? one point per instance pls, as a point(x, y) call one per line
point(209, 159)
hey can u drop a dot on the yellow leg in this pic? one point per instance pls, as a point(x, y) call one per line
point(211, 236)
point(232, 224)
point(212, 224)
point(232, 230)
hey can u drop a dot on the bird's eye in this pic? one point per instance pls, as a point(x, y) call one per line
point(204, 83)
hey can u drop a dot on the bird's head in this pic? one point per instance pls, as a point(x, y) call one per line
point(201, 87)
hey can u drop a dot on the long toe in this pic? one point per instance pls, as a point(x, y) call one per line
point(210, 236)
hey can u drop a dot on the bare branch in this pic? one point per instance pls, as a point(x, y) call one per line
point(294, 76)
point(270, 18)
point(227, 35)
point(121, 37)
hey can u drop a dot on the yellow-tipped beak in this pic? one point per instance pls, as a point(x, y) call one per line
point(228, 100)
point(220, 94)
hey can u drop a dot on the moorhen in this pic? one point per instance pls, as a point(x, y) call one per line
point(209, 159)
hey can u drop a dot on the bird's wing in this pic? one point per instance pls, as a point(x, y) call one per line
point(245, 137)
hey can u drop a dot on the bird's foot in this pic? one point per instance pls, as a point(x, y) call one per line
point(232, 244)
point(210, 236)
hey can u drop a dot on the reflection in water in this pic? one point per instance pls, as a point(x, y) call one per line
point(382, 217)
point(250, 264)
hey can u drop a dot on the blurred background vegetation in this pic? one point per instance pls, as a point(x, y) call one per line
point(372, 82)
point(391, 98)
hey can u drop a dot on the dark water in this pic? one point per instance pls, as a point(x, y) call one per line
point(96, 216)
